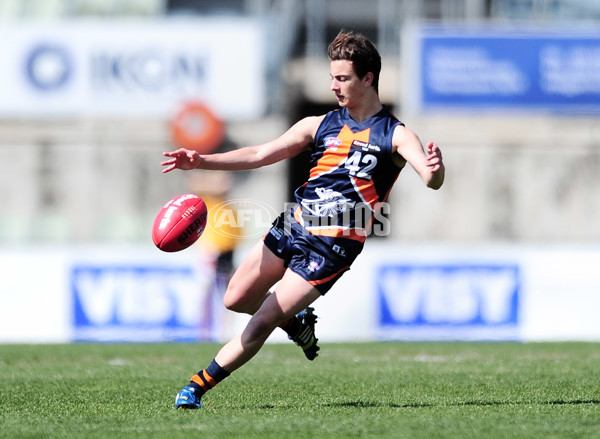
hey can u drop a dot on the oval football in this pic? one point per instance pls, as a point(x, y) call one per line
point(179, 223)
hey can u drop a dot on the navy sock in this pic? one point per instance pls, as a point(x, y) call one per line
point(208, 378)
point(292, 327)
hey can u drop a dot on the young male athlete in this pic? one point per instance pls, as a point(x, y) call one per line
point(357, 154)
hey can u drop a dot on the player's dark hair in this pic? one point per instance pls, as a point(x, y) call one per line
point(358, 49)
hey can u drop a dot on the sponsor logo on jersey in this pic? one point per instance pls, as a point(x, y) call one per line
point(330, 203)
point(365, 146)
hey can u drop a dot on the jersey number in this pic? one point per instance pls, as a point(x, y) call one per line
point(361, 165)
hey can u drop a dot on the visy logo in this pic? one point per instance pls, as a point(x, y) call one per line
point(120, 302)
point(448, 295)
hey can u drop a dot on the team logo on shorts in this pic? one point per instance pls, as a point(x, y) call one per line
point(313, 266)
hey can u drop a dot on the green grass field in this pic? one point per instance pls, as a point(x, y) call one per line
point(391, 390)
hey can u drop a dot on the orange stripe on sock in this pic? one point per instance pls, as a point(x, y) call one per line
point(211, 381)
point(196, 379)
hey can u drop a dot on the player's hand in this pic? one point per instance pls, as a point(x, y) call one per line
point(434, 157)
point(181, 158)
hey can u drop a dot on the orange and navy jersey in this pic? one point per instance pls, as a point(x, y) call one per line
point(352, 171)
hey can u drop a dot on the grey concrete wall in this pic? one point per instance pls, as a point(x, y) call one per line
point(509, 178)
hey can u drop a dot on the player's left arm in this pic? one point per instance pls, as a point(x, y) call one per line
point(291, 143)
point(426, 161)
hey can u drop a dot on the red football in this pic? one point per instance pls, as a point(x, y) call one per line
point(179, 223)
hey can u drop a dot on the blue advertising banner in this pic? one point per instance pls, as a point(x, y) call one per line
point(500, 68)
point(141, 303)
point(448, 301)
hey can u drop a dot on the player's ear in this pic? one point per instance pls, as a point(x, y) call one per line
point(368, 79)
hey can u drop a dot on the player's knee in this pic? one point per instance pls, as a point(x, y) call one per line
point(234, 300)
point(231, 302)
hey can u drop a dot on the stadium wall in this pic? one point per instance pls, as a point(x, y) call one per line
point(82, 178)
point(399, 293)
point(83, 123)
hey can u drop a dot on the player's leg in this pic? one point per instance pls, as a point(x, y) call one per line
point(293, 295)
point(249, 286)
point(301, 330)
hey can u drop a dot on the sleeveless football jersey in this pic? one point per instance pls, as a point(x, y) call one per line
point(352, 170)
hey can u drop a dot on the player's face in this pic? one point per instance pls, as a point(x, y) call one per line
point(347, 86)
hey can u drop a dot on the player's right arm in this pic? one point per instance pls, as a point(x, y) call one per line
point(428, 163)
point(289, 144)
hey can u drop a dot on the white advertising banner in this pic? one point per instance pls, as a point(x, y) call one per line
point(111, 294)
point(130, 68)
point(108, 294)
point(485, 292)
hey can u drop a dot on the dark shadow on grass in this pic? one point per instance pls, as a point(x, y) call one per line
point(574, 402)
point(369, 404)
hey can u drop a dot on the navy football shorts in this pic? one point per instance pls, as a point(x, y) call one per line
point(320, 262)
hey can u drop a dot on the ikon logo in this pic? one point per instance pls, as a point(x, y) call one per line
point(48, 67)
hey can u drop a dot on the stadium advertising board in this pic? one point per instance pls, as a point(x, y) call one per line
point(449, 301)
point(132, 68)
point(115, 294)
point(503, 69)
point(136, 303)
